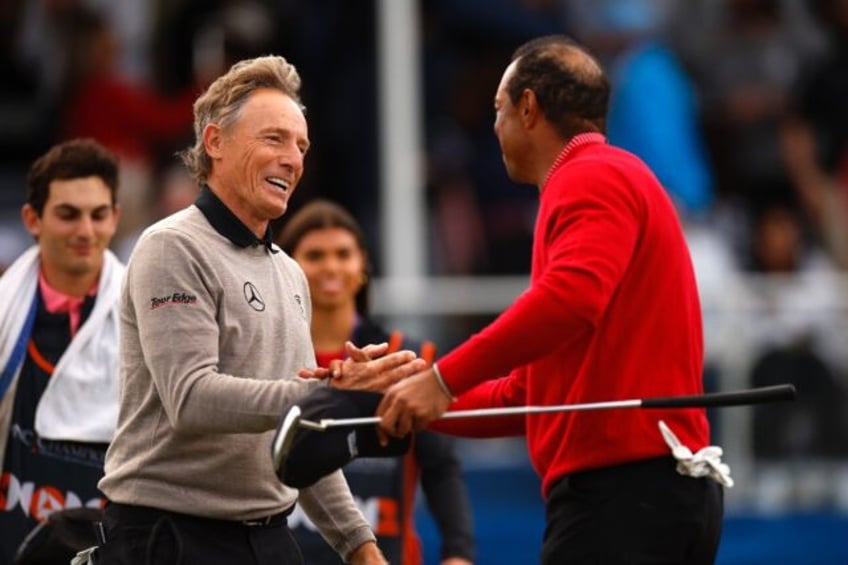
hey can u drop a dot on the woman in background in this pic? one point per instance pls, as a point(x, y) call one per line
point(329, 245)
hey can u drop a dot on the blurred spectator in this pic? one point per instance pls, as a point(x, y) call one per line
point(793, 305)
point(480, 222)
point(45, 39)
point(815, 136)
point(796, 340)
point(814, 425)
point(746, 61)
point(328, 244)
point(457, 233)
point(663, 127)
point(127, 117)
point(35, 39)
point(489, 221)
point(196, 40)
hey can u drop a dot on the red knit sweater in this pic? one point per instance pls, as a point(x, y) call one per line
point(612, 313)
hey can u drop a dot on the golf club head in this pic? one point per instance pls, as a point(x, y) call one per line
point(284, 439)
point(303, 455)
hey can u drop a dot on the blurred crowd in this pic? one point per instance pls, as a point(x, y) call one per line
point(739, 106)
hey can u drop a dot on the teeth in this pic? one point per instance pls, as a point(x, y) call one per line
point(276, 181)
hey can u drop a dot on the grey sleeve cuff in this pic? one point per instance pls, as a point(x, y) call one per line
point(353, 540)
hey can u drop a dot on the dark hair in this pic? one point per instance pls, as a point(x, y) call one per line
point(322, 214)
point(74, 159)
point(570, 85)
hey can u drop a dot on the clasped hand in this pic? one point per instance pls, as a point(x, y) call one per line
point(368, 368)
point(411, 405)
point(413, 397)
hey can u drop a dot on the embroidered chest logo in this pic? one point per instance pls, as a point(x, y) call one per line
point(254, 299)
point(176, 298)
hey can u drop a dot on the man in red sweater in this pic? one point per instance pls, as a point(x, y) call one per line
point(612, 312)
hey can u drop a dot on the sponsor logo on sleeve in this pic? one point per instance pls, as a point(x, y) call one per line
point(172, 299)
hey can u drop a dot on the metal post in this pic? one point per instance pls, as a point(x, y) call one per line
point(403, 212)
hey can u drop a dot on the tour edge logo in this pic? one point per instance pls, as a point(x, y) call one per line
point(175, 298)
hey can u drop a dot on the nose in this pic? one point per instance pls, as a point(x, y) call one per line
point(330, 264)
point(292, 160)
point(85, 228)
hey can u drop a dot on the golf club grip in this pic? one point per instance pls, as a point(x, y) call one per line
point(775, 393)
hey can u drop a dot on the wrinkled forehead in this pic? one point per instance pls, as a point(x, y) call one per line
point(267, 107)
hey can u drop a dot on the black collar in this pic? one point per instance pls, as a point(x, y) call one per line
point(227, 224)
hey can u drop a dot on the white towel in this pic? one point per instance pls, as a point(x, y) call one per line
point(80, 402)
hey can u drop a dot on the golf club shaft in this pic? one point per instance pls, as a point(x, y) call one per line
point(761, 395)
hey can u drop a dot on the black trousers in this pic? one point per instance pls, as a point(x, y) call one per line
point(139, 535)
point(638, 513)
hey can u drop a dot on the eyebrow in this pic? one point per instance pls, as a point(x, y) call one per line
point(283, 131)
point(65, 207)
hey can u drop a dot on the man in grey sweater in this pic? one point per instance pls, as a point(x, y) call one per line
point(215, 326)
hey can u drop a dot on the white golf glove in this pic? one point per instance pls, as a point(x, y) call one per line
point(705, 463)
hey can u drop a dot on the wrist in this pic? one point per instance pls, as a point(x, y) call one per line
point(367, 554)
point(442, 384)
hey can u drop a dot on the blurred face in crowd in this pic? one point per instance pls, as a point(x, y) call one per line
point(778, 241)
point(74, 229)
point(334, 265)
point(510, 132)
point(257, 160)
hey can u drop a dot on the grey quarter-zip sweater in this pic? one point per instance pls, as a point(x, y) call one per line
point(215, 324)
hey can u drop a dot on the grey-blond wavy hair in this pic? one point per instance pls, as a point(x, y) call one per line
point(223, 100)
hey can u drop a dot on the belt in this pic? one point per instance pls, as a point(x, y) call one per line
point(272, 520)
point(129, 513)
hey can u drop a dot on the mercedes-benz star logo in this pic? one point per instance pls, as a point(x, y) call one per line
point(254, 300)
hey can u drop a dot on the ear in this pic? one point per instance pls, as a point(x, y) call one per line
point(528, 108)
point(32, 222)
point(213, 140)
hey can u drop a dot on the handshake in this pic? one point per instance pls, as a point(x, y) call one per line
point(370, 383)
point(304, 450)
point(302, 455)
point(372, 368)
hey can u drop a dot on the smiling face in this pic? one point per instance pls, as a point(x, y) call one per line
point(334, 265)
point(73, 230)
point(257, 160)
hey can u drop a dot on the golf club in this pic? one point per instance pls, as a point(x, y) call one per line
point(776, 393)
point(284, 439)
